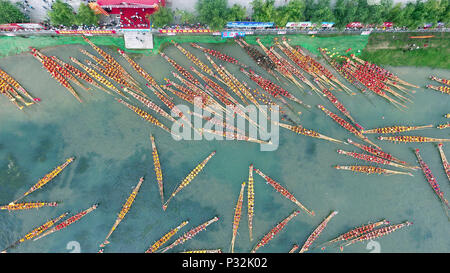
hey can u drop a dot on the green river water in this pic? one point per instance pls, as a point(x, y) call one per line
point(112, 149)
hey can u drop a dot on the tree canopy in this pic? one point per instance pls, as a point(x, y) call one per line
point(10, 13)
point(163, 16)
point(61, 14)
point(212, 12)
point(86, 16)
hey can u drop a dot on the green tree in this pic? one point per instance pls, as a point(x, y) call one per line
point(296, 10)
point(310, 7)
point(445, 16)
point(61, 14)
point(376, 14)
point(86, 16)
point(433, 10)
point(163, 16)
point(212, 12)
point(263, 11)
point(10, 13)
point(362, 13)
point(186, 17)
point(340, 13)
point(322, 12)
point(236, 13)
point(395, 15)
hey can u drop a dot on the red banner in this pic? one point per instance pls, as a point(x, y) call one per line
point(184, 31)
point(94, 32)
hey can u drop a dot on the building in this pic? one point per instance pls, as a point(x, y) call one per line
point(129, 14)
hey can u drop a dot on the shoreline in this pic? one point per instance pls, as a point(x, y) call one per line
point(378, 48)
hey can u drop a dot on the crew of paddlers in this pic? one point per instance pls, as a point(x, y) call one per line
point(220, 90)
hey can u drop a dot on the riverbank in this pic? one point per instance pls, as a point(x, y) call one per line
point(400, 50)
point(380, 48)
point(12, 45)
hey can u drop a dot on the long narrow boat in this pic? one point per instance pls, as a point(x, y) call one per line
point(432, 181)
point(272, 88)
point(260, 59)
point(37, 231)
point(445, 163)
point(97, 76)
point(125, 209)
point(410, 139)
point(295, 58)
point(283, 191)
point(5, 92)
point(27, 206)
point(47, 178)
point(372, 79)
point(332, 98)
point(181, 70)
point(377, 233)
point(150, 104)
point(373, 159)
point(250, 201)
point(359, 79)
point(142, 72)
point(194, 91)
point(443, 81)
point(173, 108)
point(6, 88)
point(296, 72)
point(216, 89)
point(219, 55)
point(15, 84)
point(204, 251)
point(442, 89)
point(190, 234)
point(384, 72)
point(237, 216)
point(224, 97)
point(307, 132)
point(444, 126)
point(317, 232)
point(317, 67)
point(195, 60)
point(113, 75)
point(191, 92)
point(145, 115)
point(354, 233)
point(226, 80)
point(370, 170)
point(107, 57)
point(242, 87)
point(395, 129)
point(269, 236)
point(346, 125)
point(233, 136)
point(294, 248)
point(158, 170)
point(188, 179)
point(69, 221)
point(165, 238)
point(64, 72)
point(377, 152)
point(57, 76)
point(80, 74)
point(279, 66)
point(219, 123)
point(112, 68)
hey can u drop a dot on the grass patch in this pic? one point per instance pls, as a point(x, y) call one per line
point(431, 57)
point(393, 49)
point(338, 43)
